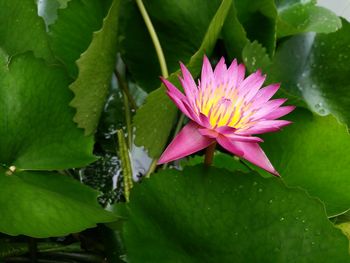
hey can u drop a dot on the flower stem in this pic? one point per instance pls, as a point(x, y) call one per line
point(160, 55)
point(124, 87)
point(154, 38)
point(127, 98)
point(209, 153)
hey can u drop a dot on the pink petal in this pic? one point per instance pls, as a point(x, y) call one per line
point(236, 73)
point(225, 129)
point(267, 108)
point(249, 151)
point(204, 121)
point(172, 89)
point(188, 141)
point(208, 132)
point(229, 146)
point(251, 85)
point(243, 138)
point(179, 99)
point(265, 94)
point(220, 70)
point(179, 103)
point(278, 113)
point(188, 83)
point(264, 126)
point(207, 75)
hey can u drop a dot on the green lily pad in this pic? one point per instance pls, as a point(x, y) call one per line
point(43, 204)
point(299, 17)
point(317, 71)
point(314, 153)
point(36, 127)
point(19, 22)
point(215, 215)
point(73, 29)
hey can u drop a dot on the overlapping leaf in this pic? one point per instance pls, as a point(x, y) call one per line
point(72, 32)
point(180, 26)
point(259, 21)
point(214, 215)
point(296, 17)
point(96, 66)
point(317, 70)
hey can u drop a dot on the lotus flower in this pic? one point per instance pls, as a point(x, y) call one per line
point(227, 108)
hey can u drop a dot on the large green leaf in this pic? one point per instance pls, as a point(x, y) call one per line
point(316, 68)
point(36, 127)
point(180, 26)
point(214, 215)
point(43, 204)
point(259, 21)
point(299, 17)
point(155, 119)
point(233, 34)
point(21, 29)
point(314, 153)
point(95, 72)
point(72, 32)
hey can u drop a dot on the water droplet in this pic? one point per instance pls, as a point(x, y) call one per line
point(260, 190)
point(270, 201)
point(282, 219)
point(322, 111)
point(306, 229)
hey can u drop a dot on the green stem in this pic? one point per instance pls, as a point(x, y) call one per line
point(126, 164)
point(128, 120)
point(124, 87)
point(154, 37)
point(209, 153)
point(152, 168)
point(160, 55)
point(127, 98)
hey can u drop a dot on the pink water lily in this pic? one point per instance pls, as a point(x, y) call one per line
point(227, 108)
